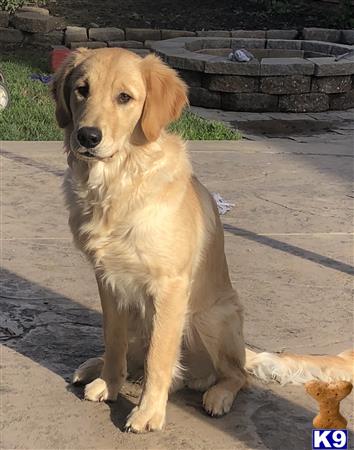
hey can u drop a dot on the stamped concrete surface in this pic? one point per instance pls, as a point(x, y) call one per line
point(289, 244)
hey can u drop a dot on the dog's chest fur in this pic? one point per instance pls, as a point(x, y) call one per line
point(117, 231)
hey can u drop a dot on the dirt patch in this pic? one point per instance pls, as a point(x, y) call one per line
point(203, 14)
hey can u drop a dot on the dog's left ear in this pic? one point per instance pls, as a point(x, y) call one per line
point(165, 98)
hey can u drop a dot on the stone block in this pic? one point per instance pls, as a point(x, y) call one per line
point(87, 44)
point(292, 84)
point(181, 59)
point(34, 9)
point(213, 33)
point(347, 37)
point(284, 44)
point(140, 51)
point(247, 43)
point(231, 83)
point(255, 102)
point(125, 44)
point(214, 43)
point(222, 66)
point(281, 34)
point(75, 34)
point(170, 34)
point(106, 34)
point(142, 34)
point(190, 77)
point(34, 22)
point(46, 40)
point(286, 66)
point(4, 19)
point(340, 49)
point(311, 102)
point(332, 85)
point(321, 34)
point(342, 101)
point(199, 96)
point(255, 34)
point(10, 35)
point(316, 46)
point(329, 66)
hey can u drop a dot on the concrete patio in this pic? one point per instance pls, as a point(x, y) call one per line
point(289, 244)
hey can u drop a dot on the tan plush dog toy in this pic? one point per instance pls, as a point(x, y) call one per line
point(328, 396)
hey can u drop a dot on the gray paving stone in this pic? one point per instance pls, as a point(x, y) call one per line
point(291, 84)
point(231, 83)
point(321, 34)
point(199, 96)
point(281, 34)
point(33, 22)
point(214, 42)
point(248, 43)
point(222, 66)
point(125, 44)
point(75, 34)
point(170, 34)
point(106, 34)
point(286, 66)
point(249, 102)
point(312, 102)
point(213, 33)
point(284, 44)
point(142, 34)
point(10, 35)
point(258, 34)
point(140, 51)
point(332, 85)
point(329, 66)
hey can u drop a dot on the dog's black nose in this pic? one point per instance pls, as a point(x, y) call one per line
point(89, 137)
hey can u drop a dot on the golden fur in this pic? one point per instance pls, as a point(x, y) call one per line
point(153, 235)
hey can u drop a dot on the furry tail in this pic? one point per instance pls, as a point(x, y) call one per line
point(298, 369)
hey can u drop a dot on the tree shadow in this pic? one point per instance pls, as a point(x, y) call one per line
point(59, 334)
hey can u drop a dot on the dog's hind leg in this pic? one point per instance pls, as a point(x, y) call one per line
point(88, 371)
point(220, 329)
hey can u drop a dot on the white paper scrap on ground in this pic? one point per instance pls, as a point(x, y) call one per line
point(223, 205)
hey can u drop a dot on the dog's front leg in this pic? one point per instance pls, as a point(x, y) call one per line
point(114, 370)
point(170, 305)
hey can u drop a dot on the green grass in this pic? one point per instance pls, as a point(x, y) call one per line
point(30, 116)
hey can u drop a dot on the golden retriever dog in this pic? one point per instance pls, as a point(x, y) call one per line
point(153, 235)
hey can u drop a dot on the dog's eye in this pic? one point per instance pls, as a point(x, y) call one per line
point(123, 97)
point(83, 90)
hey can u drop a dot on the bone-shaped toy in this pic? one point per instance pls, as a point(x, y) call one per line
point(329, 396)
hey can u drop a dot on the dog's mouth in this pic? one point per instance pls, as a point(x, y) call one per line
point(85, 156)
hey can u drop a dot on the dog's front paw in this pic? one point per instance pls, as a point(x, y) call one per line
point(217, 401)
point(145, 419)
point(99, 391)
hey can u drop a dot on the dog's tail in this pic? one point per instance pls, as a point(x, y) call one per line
point(298, 369)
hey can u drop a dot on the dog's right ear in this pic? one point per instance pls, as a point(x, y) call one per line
point(60, 86)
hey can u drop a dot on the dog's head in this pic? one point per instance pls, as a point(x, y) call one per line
point(108, 98)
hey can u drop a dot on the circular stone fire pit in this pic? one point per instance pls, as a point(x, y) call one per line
point(286, 75)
